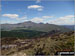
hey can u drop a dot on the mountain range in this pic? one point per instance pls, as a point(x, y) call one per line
point(35, 26)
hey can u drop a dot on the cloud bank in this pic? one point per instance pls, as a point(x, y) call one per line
point(65, 20)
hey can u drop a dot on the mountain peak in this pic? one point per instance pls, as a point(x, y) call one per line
point(28, 22)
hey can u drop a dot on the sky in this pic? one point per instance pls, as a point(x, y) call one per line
point(52, 12)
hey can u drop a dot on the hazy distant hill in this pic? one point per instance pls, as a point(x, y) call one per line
point(69, 26)
point(34, 26)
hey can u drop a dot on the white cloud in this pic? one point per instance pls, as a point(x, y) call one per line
point(22, 18)
point(11, 15)
point(34, 6)
point(14, 16)
point(37, 7)
point(37, 19)
point(66, 20)
point(41, 19)
point(47, 17)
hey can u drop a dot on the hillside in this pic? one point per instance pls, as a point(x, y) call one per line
point(21, 33)
point(45, 45)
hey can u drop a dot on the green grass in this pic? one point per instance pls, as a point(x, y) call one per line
point(21, 33)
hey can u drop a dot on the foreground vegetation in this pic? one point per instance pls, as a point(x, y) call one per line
point(45, 45)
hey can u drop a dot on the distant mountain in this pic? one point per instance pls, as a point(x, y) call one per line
point(34, 26)
point(69, 26)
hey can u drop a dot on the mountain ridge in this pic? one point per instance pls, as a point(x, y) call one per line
point(34, 26)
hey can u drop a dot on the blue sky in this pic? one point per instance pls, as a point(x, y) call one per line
point(53, 12)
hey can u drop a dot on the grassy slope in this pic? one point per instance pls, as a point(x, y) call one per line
point(48, 45)
point(21, 33)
